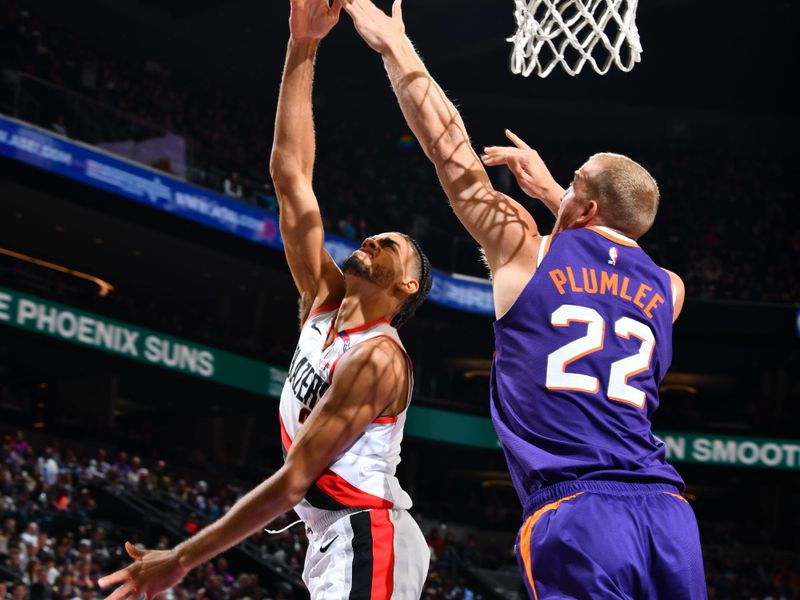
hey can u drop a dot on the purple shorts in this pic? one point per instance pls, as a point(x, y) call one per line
point(606, 539)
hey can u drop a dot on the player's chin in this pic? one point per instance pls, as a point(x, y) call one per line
point(355, 265)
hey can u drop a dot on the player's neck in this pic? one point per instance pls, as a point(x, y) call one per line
point(358, 309)
point(598, 221)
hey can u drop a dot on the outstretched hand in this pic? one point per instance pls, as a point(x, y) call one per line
point(152, 572)
point(377, 28)
point(313, 19)
point(526, 165)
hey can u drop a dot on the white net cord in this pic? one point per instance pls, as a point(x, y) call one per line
point(572, 33)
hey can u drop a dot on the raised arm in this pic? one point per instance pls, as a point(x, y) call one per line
point(504, 229)
point(316, 275)
point(368, 380)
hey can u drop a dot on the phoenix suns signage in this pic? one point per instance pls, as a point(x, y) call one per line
point(69, 324)
point(90, 330)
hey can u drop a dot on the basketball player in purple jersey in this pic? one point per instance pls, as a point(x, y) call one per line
point(345, 400)
point(583, 338)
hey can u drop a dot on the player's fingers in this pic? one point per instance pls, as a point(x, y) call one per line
point(350, 7)
point(500, 151)
point(115, 577)
point(516, 140)
point(134, 552)
point(397, 10)
point(360, 10)
point(122, 592)
point(504, 149)
point(492, 161)
point(336, 9)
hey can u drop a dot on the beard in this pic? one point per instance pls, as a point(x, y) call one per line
point(353, 265)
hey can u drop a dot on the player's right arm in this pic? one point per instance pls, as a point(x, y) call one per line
point(505, 230)
point(370, 379)
point(317, 277)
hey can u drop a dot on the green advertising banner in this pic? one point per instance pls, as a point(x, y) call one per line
point(69, 324)
point(452, 427)
point(137, 343)
point(735, 451)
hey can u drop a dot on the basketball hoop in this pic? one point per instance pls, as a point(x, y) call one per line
point(572, 33)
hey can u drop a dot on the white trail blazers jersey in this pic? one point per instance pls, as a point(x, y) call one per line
point(363, 475)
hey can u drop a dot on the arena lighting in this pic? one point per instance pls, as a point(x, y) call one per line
point(497, 483)
point(104, 286)
point(476, 373)
point(678, 387)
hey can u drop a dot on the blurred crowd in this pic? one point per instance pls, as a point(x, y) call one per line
point(53, 547)
point(725, 225)
point(54, 543)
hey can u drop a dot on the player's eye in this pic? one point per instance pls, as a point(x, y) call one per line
point(388, 243)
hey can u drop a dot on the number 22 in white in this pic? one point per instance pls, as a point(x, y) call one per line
point(621, 370)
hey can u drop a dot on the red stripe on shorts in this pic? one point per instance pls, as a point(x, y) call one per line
point(382, 555)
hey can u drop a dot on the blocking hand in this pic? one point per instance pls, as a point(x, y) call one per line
point(377, 28)
point(313, 19)
point(525, 164)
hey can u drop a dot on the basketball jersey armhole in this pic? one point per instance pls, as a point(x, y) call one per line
point(544, 248)
point(319, 311)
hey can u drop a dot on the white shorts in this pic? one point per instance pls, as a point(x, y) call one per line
point(368, 555)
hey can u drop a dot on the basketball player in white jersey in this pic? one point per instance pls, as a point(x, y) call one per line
point(344, 402)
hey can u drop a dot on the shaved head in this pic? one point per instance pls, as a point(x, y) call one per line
point(627, 195)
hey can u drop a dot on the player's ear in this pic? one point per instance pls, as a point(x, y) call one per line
point(589, 212)
point(409, 286)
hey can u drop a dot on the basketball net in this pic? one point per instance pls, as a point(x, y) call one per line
point(572, 33)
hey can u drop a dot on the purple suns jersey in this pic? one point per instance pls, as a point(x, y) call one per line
point(579, 357)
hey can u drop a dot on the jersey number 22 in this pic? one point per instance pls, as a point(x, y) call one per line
point(593, 341)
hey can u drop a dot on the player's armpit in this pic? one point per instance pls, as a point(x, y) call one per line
point(368, 379)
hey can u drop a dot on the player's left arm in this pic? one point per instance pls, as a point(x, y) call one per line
point(678, 294)
point(369, 380)
point(317, 277)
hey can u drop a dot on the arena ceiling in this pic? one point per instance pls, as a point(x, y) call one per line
point(729, 55)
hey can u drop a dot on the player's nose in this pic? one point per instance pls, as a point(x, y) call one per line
point(370, 246)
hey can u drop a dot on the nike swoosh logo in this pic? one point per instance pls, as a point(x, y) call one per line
point(315, 328)
point(328, 545)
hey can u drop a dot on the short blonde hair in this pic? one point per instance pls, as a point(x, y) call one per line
point(626, 194)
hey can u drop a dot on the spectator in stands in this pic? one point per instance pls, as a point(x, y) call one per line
point(233, 186)
point(59, 125)
point(20, 592)
point(14, 565)
point(41, 588)
point(31, 534)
